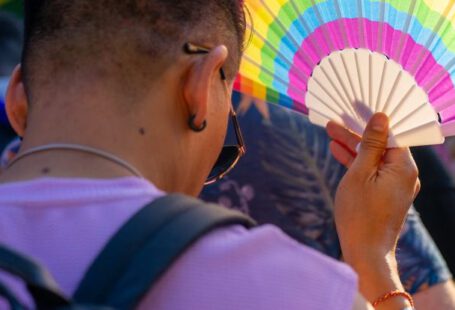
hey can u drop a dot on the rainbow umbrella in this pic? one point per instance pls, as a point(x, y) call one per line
point(344, 60)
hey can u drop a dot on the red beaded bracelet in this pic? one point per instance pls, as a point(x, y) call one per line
point(392, 295)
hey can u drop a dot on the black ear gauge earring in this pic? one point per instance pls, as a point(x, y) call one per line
point(194, 127)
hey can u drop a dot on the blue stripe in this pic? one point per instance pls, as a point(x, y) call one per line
point(349, 9)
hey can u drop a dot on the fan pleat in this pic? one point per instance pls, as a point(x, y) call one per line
point(403, 40)
point(448, 129)
point(408, 73)
point(380, 37)
point(333, 89)
point(431, 40)
point(409, 116)
point(398, 113)
point(339, 25)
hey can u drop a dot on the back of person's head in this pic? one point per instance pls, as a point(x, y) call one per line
point(129, 40)
point(118, 75)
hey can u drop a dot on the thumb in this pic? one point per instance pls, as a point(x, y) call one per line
point(374, 142)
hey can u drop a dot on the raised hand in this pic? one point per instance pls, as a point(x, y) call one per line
point(372, 202)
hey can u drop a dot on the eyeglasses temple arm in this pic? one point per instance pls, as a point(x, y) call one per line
point(238, 132)
point(194, 49)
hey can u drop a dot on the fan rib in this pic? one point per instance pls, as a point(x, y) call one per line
point(426, 125)
point(370, 85)
point(303, 22)
point(270, 74)
point(324, 30)
point(342, 29)
point(405, 30)
point(335, 100)
point(340, 94)
point(351, 83)
point(328, 106)
point(340, 80)
point(299, 72)
point(405, 97)
point(419, 7)
point(439, 77)
point(321, 115)
point(429, 42)
point(362, 32)
point(448, 129)
point(381, 86)
point(442, 102)
point(387, 102)
point(359, 75)
point(381, 29)
point(406, 118)
point(278, 21)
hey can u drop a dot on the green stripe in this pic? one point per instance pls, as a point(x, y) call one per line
point(428, 18)
point(287, 16)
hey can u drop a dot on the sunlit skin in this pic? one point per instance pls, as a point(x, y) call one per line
point(152, 133)
point(344, 147)
point(380, 185)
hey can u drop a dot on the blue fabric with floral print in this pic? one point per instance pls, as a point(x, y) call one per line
point(288, 178)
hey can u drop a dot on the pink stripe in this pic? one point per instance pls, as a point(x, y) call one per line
point(392, 40)
point(448, 114)
point(300, 107)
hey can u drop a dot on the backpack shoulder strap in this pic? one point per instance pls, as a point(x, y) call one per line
point(147, 245)
point(40, 283)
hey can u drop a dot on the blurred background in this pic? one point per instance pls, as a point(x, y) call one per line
point(11, 32)
point(289, 178)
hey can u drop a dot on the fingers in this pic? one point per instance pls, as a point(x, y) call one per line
point(344, 145)
point(374, 144)
point(342, 154)
point(373, 152)
point(343, 136)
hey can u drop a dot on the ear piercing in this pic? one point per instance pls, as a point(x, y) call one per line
point(194, 127)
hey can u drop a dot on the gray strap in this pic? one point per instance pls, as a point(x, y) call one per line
point(39, 282)
point(139, 254)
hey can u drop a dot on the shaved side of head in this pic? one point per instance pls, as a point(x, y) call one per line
point(127, 40)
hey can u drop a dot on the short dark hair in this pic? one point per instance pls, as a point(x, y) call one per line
point(71, 34)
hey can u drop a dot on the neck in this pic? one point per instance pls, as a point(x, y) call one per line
point(81, 149)
point(125, 134)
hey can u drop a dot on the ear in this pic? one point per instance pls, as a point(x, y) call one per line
point(17, 102)
point(199, 81)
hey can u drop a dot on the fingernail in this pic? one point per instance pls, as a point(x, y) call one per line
point(357, 148)
point(379, 122)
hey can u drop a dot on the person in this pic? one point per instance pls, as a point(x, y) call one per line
point(265, 169)
point(120, 102)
